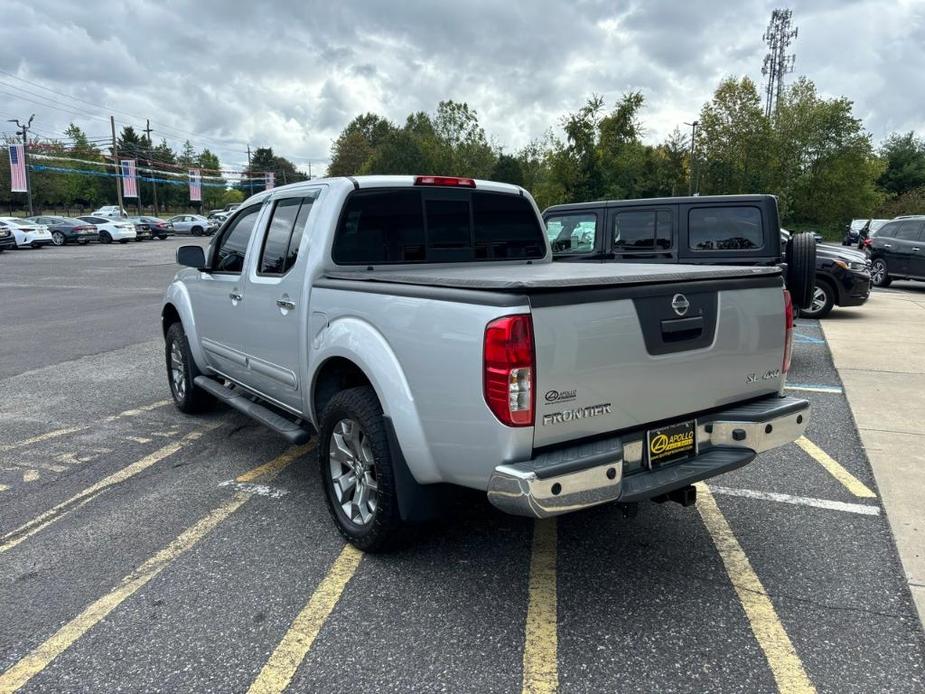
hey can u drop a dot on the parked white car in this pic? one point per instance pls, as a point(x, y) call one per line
point(112, 229)
point(27, 234)
point(194, 224)
point(110, 212)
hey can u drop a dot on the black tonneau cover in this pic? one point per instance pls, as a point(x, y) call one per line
point(551, 276)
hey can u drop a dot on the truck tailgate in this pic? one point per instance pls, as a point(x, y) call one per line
point(623, 357)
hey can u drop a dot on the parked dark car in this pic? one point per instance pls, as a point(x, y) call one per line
point(707, 230)
point(142, 228)
point(897, 252)
point(160, 228)
point(7, 240)
point(842, 279)
point(67, 230)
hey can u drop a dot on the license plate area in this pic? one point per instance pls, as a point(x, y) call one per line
point(671, 443)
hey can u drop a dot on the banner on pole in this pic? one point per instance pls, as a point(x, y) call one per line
point(269, 179)
point(195, 185)
point(17, 169)
point(129, 183)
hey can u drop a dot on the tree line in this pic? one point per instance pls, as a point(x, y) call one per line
point(92, 184)
point(813, 153)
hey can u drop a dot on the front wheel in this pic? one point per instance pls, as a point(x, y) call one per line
point(57, 238)
point(197, 231)
point(356, 470)
point(182, 372)
point(879, 275)
point(822, 302)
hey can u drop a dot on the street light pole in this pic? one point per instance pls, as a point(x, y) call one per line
point(690, 183)
point(24, 131)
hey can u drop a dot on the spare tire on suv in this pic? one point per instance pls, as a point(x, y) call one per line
point(801, 269)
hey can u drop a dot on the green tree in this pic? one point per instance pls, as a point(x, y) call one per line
point(904, 156)
point(508, 169)
point(357, 142)
point(734, 143)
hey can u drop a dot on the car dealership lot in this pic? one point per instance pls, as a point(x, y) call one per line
point(145, 550)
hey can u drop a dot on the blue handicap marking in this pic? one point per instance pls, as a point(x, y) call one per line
point(800, 338)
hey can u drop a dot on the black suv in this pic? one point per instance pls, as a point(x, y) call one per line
point(897, 251)
point(710, 230)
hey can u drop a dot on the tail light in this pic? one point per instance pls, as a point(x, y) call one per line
point(509, 373)
point(788, 333)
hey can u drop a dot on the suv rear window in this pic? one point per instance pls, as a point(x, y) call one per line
point(572, 233)
point(642, 230)
point(437, 226)
point(724, 229)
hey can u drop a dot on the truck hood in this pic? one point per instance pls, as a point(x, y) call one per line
point(507, 277)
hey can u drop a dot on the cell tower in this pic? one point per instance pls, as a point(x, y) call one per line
point(777, 63)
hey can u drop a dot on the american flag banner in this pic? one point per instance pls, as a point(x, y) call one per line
point(269, 179)
point(17, 169)
point(195, 185)
point(129, 184)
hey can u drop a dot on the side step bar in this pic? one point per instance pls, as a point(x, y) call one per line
point(270, 419)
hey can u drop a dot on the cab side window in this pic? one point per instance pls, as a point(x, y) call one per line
point(642, 230)
point(231, 247)
point(572, 233)
point(909, 231)
point(284, 234)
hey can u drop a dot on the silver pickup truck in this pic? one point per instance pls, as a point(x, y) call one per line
point(419, 328)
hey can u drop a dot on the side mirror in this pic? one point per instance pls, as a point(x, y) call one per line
point(191, 256)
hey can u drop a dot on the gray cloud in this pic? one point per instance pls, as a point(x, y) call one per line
point(292, 75)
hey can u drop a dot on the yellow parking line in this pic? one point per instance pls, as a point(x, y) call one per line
point(852, 483)
point(31, 665)
point(72, 430)
point(276, 464)
point(541, 668)
point(281, 667)
point(783, 660)
point(42, 521)
point(42, 656)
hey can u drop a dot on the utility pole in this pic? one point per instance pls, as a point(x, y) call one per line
point(309, 170)
point(148, 132)
point(779, 35)
point(250, 182)
point(24, 131)
point(115, 158)
point(690, 183)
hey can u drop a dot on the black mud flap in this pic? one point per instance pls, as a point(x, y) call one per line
point(417, 503)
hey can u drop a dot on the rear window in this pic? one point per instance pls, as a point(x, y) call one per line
point(436, 226)
point(725, 228)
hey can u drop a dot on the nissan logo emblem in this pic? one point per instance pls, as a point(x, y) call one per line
point(680, 304)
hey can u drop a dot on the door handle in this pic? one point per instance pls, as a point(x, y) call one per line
point(286, 304)
point(235, 296)
point(915, 248)
point(888, 245)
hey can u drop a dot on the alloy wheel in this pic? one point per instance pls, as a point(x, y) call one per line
point(57, 238)
point(177, 370)
point(353, 472)
point(878, 272)
point(819, 299)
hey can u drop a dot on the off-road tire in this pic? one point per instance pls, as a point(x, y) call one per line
point(801, 269)
point(384, 531)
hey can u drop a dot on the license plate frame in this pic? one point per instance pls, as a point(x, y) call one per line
point(671, 443)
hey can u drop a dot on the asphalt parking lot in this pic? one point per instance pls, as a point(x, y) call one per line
point(142, 550)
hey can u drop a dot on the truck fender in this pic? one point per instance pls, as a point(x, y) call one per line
point(360, 343)
point(178, 297)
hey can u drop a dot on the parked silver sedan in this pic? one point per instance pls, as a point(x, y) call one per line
point(194, 224)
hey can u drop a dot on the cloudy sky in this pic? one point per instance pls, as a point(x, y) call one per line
point(291, 75)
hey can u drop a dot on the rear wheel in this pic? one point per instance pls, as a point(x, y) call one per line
point(57, 238)
point(105, 237)
point(197, 231)
point(182, 372)
point(879, 275)
point(822, 302)
point(356, 470)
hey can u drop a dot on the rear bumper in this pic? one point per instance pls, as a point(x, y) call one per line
point(589, 474)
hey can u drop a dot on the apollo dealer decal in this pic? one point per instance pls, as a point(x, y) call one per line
point(578, 413)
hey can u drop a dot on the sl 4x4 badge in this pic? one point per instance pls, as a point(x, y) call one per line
point(766, 376)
